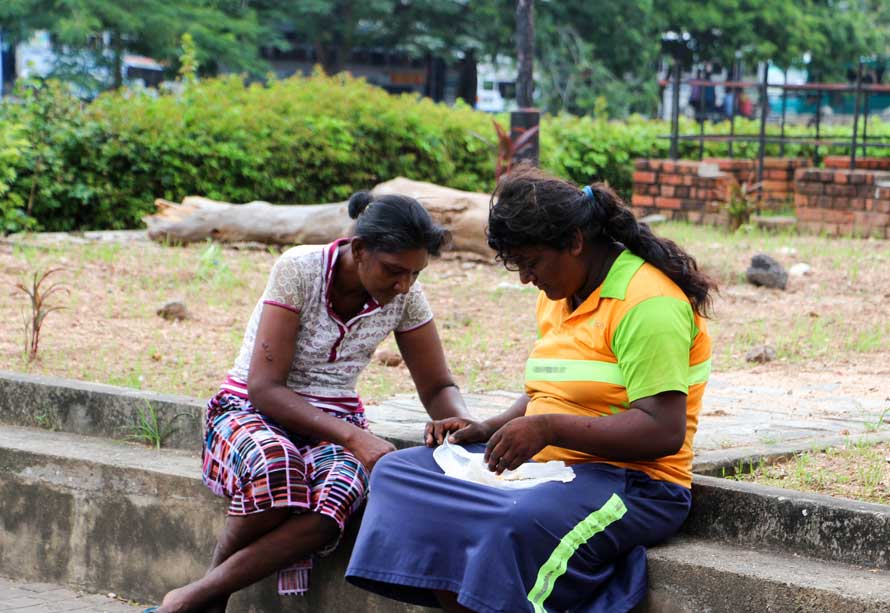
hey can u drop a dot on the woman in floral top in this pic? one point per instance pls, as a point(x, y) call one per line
point(286, 437)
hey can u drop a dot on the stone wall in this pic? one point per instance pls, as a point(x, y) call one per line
point(682, 190)
point(843, 202)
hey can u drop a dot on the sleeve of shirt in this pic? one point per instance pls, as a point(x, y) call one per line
point(417, 310)
point(288, 285)
point(652, 344)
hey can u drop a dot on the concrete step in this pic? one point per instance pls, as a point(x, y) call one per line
point(94, 409)
point(689, 575)
point(107, 411)
point(106, 516)
point(813, 525)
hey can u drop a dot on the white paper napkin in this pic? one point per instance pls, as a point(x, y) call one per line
point(459, 463)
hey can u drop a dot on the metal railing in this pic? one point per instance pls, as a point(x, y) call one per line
point(856, 140)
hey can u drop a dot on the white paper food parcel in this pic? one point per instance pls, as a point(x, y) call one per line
point(457, 462)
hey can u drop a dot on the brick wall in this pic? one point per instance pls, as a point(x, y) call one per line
point(778, 177)
point(684, 190)
point(843, 201)
point(841, 161)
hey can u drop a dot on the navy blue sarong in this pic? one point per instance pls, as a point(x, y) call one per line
point(577, 546)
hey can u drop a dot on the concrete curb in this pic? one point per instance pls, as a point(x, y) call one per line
point(791, 522)
point(114, 517)
point(695, 576)
point(105, 515)
point(95, 409)
point(81, 512)
point(108, 411)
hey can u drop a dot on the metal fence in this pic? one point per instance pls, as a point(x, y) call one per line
point(858, 139)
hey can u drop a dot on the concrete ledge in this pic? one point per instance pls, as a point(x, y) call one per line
point(108, 411)
point(792, 522)
point(82, 512)
point(692, 576)
point(105, 515)
point(110, 516)
point(95, 409)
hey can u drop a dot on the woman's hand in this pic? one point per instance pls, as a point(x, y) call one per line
point(516, 442)
point(461, 430)
point(368, 449)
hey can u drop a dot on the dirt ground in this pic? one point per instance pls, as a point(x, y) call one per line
point(832, 324)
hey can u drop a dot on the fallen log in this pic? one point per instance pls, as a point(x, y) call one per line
point(196, 219)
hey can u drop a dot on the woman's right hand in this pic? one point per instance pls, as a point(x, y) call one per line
point(368, 449)
point(460, 429)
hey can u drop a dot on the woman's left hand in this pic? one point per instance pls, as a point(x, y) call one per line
point(516, 442)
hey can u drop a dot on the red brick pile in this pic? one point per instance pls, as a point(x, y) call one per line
point(681, 190)
point(843, 202)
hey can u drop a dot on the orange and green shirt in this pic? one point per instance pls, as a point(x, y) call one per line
point(635, 336)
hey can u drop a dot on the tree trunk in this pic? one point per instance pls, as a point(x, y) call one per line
point(117, 62)
point(435, 77)
point(467, 84)
point(525, 52)
point(465, 214)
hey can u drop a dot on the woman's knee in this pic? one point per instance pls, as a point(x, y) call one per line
point(321, 527)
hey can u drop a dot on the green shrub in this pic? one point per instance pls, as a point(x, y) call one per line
point(13, 217)
point(301, 140)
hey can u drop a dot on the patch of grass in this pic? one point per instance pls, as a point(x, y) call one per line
point(874, 426)
point(872, 338)
point(103, 252)
point(150, 429)
point(214, 270)
point(805, 338)
point(47, 421)
point(859, 470)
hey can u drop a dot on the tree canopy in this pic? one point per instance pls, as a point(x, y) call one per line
point(586, 50)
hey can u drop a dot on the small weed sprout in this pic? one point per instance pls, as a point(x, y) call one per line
point(874, 426)
point(509, 148)
point(149, 429)
point(39, 294)
point(741, 204)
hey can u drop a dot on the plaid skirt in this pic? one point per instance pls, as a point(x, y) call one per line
point(258, 466)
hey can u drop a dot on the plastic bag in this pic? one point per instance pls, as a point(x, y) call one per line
point(459, 463)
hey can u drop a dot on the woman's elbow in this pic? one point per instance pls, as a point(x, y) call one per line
point(257, 390)
point(672, 441)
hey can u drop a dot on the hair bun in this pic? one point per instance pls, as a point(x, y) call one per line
point(358, 203)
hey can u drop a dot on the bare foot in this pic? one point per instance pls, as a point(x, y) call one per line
point(175, 601)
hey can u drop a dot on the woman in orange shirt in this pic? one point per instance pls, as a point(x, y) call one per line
point(613, 387)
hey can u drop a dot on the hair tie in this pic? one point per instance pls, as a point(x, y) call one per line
point(588, 192)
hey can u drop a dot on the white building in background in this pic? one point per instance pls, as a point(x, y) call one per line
point(36, 57)
point(496, 85)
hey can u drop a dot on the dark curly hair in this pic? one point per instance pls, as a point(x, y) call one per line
point(531, 207)
point(395, 223)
